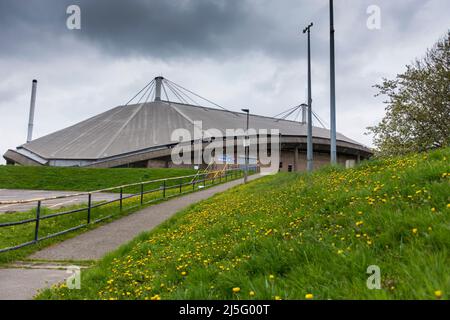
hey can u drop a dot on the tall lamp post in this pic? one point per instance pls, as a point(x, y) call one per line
point(247, 145)
point(333, 152)
point(309, 153)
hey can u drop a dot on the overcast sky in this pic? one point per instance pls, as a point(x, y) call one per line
point(238, 53)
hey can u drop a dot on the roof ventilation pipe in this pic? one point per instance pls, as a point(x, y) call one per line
point(158, 82)
point(32, 107)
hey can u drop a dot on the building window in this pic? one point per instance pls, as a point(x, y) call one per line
point(290, 167)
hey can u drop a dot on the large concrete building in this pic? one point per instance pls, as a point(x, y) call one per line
point(139, 135)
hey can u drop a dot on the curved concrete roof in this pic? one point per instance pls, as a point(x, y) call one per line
point(127, 129)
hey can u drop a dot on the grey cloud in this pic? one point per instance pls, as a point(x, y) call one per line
point(162, 29)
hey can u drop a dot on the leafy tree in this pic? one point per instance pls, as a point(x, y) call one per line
point(418, 105)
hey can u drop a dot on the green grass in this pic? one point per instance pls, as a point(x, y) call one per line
point(16, 235)
point(79, 179)
point(289, 235)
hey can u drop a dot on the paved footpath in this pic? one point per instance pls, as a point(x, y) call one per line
point(15, 283)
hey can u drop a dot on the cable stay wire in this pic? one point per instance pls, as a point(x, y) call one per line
point(284, 112)
point(199, 96)
point(289, 112)
point(297, 117)
point(319, 120)
point(177, 95)
point(182, 95)
point(149, 93)
point(144, 94)
point(165, 92)
point(137, 94)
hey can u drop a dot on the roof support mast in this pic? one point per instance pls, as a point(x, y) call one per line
point(158, 82)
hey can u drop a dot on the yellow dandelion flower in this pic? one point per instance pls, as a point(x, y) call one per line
point(271, 277)
point(236, 290)
point(433, 209)
point(415, 230)
point(438, 294)
point(252, 293)
point(309, 296)
point(278, 298)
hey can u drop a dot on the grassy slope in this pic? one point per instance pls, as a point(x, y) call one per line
point(78, 179)
point(290, 235)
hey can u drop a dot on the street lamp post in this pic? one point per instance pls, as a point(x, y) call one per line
point(247, 146)
point(309, 153)
point(333, 153)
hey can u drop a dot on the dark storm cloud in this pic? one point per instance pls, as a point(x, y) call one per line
point(164, 28)
point(157, 28)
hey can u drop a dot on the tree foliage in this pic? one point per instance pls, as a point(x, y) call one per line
point(418, 105)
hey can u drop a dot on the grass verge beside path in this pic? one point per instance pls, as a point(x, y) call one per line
point(79, 179)
point(295, 236)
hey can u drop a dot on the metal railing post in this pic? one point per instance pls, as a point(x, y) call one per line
point(142, 194)
point(38, 218)
point(181, 185)
point(121, 199)
point(164, 188)
point(89, 208)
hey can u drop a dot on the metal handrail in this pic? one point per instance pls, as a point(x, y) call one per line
point(103, 190)
point(164, 187)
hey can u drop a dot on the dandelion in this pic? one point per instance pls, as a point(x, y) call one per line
point(183, 273)
point(271, 277)
point(309, 296)
point(236, 290)
point(278, 298)
point(438, 294)
point(252, 293)
point(156, 297)
point(414, 231)
point(433, 209)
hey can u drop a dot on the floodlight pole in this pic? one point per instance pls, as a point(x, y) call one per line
point(247, 146)
point(333, 152)
point(309, 153)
